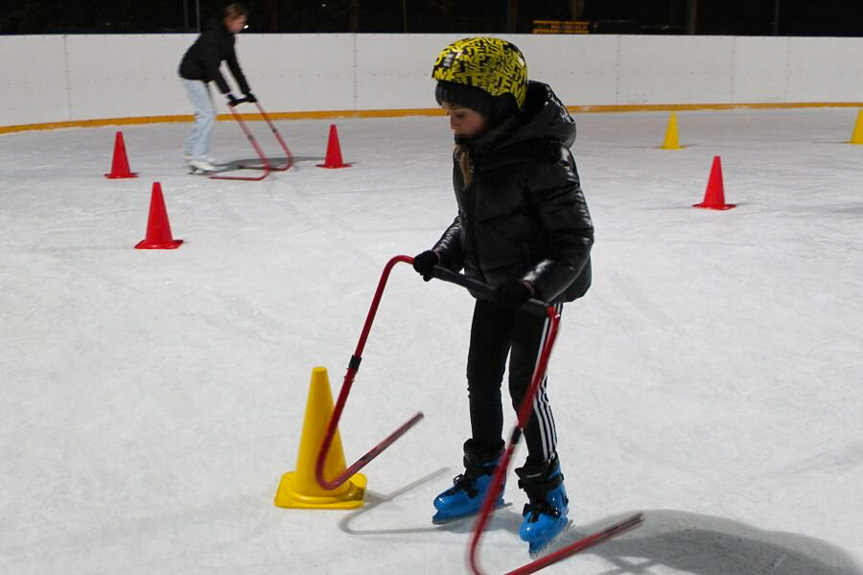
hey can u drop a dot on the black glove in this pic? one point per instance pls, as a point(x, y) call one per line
point(232, 100)
point(512, 293)
point(425, 262)
point(250, 98)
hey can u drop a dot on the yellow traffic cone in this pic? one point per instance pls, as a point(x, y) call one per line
point(857, 136)
point(300, 488)
point(671, 142)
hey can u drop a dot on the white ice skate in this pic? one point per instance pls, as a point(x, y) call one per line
point(202, 167)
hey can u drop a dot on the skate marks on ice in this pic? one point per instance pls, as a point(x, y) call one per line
point(708, 545)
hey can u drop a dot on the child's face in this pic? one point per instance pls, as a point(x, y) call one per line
point(464, 122)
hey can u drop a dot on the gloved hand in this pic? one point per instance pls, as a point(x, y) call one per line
point(250, 98)
point(512, 293)
point(232, 100)
point(425, 262)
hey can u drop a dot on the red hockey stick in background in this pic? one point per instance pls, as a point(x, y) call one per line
point(266, 166)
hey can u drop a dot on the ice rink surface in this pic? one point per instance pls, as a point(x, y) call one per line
point(151, 400)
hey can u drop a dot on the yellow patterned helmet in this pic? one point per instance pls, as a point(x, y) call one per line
point(493, 65)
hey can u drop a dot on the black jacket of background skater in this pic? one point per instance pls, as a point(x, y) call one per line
point(203, 58)
point(524, 214)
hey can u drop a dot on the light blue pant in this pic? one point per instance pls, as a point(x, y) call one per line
point(198, 141)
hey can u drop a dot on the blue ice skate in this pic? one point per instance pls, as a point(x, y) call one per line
point(545, 517)
point(469, 489)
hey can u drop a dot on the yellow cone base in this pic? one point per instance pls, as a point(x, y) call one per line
point(289, 497)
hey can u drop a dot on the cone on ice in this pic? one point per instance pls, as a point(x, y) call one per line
point(120, 162)
point(714, 196)
point(334, 151)
point(671, 142)
point(300, 488)
point(158, 228)
point(857, 135)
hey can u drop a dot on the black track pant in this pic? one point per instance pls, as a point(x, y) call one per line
point(496, 333)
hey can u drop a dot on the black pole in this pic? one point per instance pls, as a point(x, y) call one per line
point(776, 18)
point(512, 16)
point(198, 12)
point(691, 16)
point(185, 15)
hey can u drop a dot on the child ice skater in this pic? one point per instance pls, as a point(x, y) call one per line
point(522, 227)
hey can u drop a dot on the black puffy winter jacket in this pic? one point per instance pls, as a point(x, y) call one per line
point(523, 215)
point(203, 58)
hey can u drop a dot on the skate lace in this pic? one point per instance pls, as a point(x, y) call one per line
point(463, 482)
point(535, 509)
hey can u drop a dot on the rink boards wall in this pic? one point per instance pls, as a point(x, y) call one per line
point(80, 79)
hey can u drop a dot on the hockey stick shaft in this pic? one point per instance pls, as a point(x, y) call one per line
point(353, 367)
point(255, 145)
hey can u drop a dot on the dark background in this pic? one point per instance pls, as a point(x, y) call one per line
point(729, 17)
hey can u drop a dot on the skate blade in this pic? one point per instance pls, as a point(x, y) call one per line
point(539, 551)
point(443, 519)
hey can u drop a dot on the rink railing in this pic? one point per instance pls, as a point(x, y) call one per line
point(92, 80)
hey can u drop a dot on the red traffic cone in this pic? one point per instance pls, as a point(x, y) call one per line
point(714, 196)
point(334, 152)
point(158, 229)
point(120, 164)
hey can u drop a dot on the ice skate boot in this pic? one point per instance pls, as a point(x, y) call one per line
point(545, 517)
point(469, 489)
point(187, 159)
point(202, 166)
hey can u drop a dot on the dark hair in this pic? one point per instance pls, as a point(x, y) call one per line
point(233, 11)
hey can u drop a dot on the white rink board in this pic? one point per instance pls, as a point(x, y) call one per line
point(675, 70)
point(760, 66)
point(34, 87)
point(91, 77)
point(825, 68)
point(394, 72)
point(582, 69)
point(126, 75)
point(298, 72)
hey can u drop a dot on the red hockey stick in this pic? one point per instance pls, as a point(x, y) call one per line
point(289, 158)
point(524, 413)
point(353, 367)
point(265, 162)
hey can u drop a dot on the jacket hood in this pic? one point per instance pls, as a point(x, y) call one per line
point(544, 117)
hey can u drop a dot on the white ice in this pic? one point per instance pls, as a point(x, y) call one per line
point(151, 400)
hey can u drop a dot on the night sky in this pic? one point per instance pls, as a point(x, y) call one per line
point(728, 17)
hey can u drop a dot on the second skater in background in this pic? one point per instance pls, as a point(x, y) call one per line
point(199, 67)
point(522, 227)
